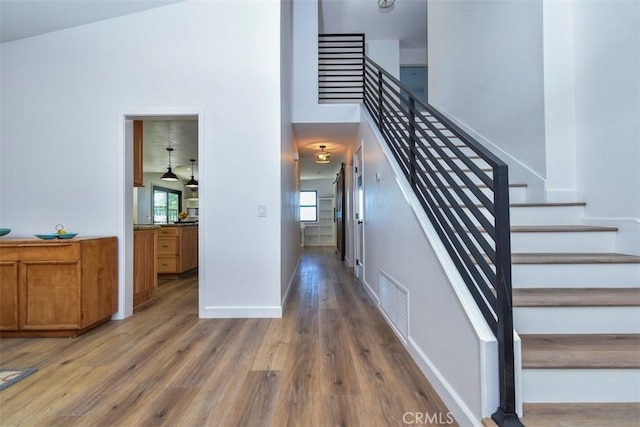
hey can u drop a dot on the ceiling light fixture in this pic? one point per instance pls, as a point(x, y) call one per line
point(192, 183)
point(386, 6)
point(169, 175)
point(323, 156)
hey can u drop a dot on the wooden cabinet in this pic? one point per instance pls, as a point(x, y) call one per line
point(57, 288)
point(177, 249)
point(145, 265)
point(8, 295)
point(138, 180)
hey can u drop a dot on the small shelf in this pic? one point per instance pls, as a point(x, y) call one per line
point(322, 232)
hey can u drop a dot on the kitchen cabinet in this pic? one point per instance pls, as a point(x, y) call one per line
point(57, 288)
point(145, 264)
point(138, 180)
point(177, 249)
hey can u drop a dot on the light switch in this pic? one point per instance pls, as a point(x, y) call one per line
point(262, 210)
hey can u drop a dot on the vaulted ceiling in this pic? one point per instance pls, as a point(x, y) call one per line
point(406, 23)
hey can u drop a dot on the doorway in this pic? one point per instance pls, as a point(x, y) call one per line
point(358, 203)
point(131, 204)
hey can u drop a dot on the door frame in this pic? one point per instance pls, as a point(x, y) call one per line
point(125, 200)
point(358, 215)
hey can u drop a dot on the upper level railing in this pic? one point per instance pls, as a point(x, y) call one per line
point(340, 68)
point(464, 190)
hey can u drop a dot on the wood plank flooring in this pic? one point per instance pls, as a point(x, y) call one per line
point(330, 361)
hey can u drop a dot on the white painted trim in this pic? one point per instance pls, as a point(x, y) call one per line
point(242, 312)
point(517, 171)
point(125, 203)
point(474, 317)
point(628, 235)
point(464, 416)
point(293, 276)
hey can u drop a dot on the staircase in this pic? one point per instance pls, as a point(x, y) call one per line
point(577, 311)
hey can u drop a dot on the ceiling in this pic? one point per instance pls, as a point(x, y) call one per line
point(406, 23)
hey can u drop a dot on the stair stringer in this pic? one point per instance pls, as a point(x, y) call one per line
point(486, 344)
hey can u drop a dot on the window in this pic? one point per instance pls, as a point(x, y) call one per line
point(309, 206)
point(167, 204)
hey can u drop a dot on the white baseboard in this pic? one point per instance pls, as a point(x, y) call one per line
point(448, 395)
point(293, 276)
point(451, 399)
point(242, 312)
point(628, 236)
point(518, 171)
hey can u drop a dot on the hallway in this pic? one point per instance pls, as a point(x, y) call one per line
point(331, 360)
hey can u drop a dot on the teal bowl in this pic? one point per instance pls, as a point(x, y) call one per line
point(46, 236)
point(4, 231)
point(67, 236)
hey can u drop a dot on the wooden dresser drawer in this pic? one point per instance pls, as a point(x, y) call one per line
point(167, 264)
point(169, 231)
point(167, 245)
point(49, 252)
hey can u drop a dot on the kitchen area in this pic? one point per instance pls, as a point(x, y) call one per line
point(165, 203)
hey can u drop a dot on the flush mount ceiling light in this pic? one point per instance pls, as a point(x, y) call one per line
point(192, 183)
point(386, 6)
point(169, 175)
point(323, 156)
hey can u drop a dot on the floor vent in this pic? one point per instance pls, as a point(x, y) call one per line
point(394, 301)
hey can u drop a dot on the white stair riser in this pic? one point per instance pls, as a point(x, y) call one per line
point(516, 195)
point(580, 385)
point(577, 320)
point(541, 215)
point(546, 215)
point(575, 275)
point(557, 242)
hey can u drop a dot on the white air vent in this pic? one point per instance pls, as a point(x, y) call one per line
point(394, 301)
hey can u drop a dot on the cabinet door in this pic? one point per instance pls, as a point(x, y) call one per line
point(145, 265)
point(50, 294)
point(189, 250)
point(137, 154)
point(8, 295)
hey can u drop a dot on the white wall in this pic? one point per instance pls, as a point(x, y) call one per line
point(486, 73)
point(385, 53)
point(64, 97)
point(607, 85)
point(305, 71)
point(324, 186)
point(448, 338)
point(290, 169)
point(413, 56)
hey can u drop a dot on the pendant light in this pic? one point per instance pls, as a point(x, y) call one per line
point(322, 156)
point(192, 183)
point(169, 175)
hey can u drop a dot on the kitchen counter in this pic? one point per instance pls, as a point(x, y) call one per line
point(145, 226)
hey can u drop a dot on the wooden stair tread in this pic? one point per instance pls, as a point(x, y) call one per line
point(583, 351)
point(581, 414)
point(576, 297)
point(486, 186)
point(574, 258)
point(545, 204)
point(552, 229)
point(559, 228)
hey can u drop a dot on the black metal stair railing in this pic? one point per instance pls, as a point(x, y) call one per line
point(464, 190)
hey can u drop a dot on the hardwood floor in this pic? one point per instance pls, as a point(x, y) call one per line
point(330, 361)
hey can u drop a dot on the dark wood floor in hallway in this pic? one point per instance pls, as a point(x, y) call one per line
point(330, 361)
